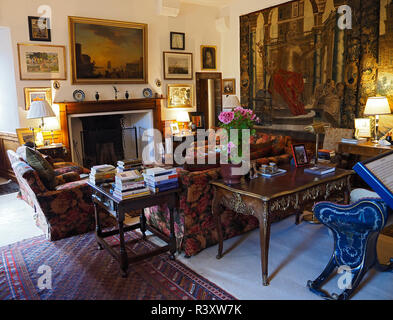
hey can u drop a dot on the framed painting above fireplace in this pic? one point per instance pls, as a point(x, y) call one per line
point(107, 51)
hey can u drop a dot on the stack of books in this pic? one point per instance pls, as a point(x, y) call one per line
point(128, 165)
point(128, 185)
point(324, 154)
point(161, 179)
point(102, 174)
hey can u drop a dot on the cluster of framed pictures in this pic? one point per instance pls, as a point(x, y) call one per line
point(197, 119)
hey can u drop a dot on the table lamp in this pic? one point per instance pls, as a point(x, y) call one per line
point(377, 106)
point(230, 102)
point(52, 124)
point(183, 116)
point(40, 109)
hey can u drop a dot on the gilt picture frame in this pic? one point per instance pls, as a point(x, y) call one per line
point(33, 94)
point(228, 86)
point(108, 51)
point(208, 57)
point(24, 135)
point(41, 62)
point(180, 96)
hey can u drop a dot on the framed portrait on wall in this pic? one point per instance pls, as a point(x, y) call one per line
point(178, 41)
point(107, 51)
point(180, 96)
point(178, 66)
point(39, 29)
point(208, 57)
point(41, 62)
point(34, 94)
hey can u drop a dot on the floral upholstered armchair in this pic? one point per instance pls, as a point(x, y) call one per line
point(63, 211)
point(194, 225)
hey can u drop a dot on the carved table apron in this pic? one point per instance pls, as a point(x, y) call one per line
point(273, 208)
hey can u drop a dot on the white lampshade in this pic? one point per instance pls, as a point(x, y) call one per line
point(40, 109)
point(182, 116)
point(51, 124)
point(377, 106)
point(231, 102)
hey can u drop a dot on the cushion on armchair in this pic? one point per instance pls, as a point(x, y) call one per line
point(43, 168)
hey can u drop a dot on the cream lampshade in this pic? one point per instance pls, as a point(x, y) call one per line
point(40, 109)
point(231, 102)
point(182, 116)
point(377, 106)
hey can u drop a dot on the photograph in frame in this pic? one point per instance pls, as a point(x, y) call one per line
point(178, 66)
point(108, 51)
point(300, 155)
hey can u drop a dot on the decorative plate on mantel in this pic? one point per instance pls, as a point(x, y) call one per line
point(79, 95)
point(147, 93)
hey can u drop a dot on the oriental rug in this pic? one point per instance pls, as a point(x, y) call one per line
point(74, 269)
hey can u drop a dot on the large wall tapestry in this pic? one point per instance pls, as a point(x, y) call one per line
point(385, 65)
point(298, 66)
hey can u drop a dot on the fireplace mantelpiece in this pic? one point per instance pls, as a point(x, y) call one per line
point(70, 108)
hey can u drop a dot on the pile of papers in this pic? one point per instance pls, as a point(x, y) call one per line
point(128, 165)
point(161, 179)
point(102, 174)
point(129, 184)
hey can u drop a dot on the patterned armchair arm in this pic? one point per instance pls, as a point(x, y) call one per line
point(67, 177)
point(355, 228)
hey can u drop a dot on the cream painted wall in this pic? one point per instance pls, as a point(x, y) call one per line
point(197, 22)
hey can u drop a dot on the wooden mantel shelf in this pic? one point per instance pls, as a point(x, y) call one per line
point(72, 108)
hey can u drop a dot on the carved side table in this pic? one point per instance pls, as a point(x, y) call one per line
point(273, 199)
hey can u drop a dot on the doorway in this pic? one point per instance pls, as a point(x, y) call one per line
point(209, 96)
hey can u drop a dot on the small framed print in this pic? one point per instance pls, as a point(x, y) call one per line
point(180, 96)
point(178, 41)
point(300, 155)
point(34, 94)
point(229, 86)
point(363, 128)
point(39, 29)
point(197, 119)
point(209, 57)
point(178, 66)
point(25, 135)
point(174, 128)
point(41, 62)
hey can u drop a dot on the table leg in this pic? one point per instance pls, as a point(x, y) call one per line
point(172, 240)
point(123, 252)
point(142, 221)
point(216, 211)
point(347, 192)
point(264, 230)
point(98, 225)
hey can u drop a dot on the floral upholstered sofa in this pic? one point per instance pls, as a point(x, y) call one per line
point(194, 224)
point(63, 211)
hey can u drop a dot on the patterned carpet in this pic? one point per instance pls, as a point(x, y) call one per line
point(74, 269)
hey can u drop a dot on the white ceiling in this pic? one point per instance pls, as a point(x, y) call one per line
point(213, 3)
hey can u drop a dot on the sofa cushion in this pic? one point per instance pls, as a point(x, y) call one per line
point(43, 168)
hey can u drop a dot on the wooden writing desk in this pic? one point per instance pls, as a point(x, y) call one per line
point(366, 149)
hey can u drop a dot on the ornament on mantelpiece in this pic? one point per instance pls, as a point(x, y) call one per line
point(127, 95)
point(116, 91)
point(97, 96)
